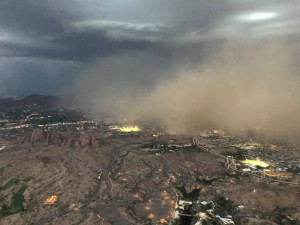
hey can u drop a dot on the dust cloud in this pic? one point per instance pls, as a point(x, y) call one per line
point(241, 88)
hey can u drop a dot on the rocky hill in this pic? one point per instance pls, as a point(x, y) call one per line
point(40, 137)
point(35, 99)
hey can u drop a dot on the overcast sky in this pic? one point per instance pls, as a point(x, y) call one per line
point(46, 45)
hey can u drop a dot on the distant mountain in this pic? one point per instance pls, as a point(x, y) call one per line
point(35, 99)
point(7, 102)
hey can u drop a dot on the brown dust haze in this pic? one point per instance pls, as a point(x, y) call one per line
point(240, 87)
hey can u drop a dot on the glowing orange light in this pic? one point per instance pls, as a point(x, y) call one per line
point(51, 200)
point(163, 220)
point(151, 216)
point(147, 208)
point(136, 196)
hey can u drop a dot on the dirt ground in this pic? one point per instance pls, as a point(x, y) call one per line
point(113, 182)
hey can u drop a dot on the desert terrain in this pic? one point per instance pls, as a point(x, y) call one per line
point(108, 177)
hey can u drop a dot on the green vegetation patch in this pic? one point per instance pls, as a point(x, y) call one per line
point(17, 199)
point(26, 179)
point(10, 183)
point(2, 165)
point(164, 147)
point(16, 203)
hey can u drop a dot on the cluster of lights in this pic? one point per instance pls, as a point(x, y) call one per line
point(274, 174)
point(256, 162)
point(16, 127)
point(166, 200)
point(130, 129)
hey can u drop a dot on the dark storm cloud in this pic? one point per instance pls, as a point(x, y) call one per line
point(59, 30)
point(81, 32)
point(40, 28)
point(64, 29)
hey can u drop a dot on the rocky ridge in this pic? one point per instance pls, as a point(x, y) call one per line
point(40, 137)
